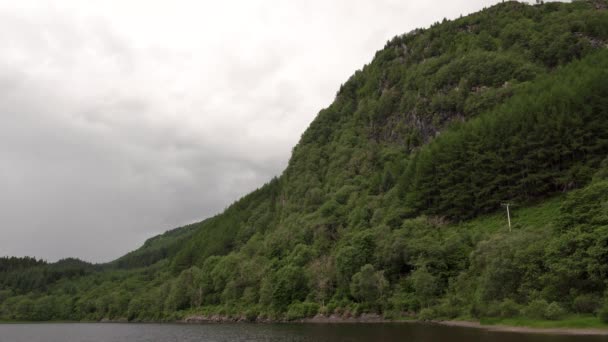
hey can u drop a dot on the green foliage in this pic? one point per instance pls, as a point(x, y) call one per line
point(534, 144)
point(425, 285)
point(603, 313)
point(554, 311)
point(9, 264)
point(390, 201)
point(586, 207)
point(536, 309)
point(586, 303)
point(290, 285)
point(368, 285)
point(540, 309)
point(156, 248)
point(509, 264)
point(509, 308)
point(299, 310)
point(426, 314)
point(350, 258)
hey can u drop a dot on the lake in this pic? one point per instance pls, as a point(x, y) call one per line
point(411, 332)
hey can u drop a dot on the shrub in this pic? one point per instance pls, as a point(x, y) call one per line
point(554, 311)
point(302, 310)
point(330, 307)
point(357, 309)
point(426, 314)
point(491, 309)
point(586, 303)
point(447, 310)
point(509, 308)
point(536, 309)
point(404, 301)
point(251, 315)
point(603, 313)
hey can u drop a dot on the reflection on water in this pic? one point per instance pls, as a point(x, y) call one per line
point(411, 332)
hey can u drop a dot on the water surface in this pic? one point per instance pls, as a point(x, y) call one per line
point(389, 332)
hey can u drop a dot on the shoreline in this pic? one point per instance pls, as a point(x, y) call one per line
point(374, 319)
point(363, 319)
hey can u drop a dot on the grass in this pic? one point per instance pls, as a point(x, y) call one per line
point(535, 216)
point(572, 321)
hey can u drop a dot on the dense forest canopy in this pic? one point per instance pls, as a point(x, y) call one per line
point(391, 200)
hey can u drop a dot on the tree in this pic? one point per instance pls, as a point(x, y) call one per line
point(290, 285)
point(424, 285)
point(368, 285)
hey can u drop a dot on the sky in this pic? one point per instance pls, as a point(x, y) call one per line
point(122, 119)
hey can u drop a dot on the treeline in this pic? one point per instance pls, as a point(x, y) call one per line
point(25, 275)
point(157, 248)
point(9, 264)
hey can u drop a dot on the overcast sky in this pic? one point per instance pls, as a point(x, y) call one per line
point(122, 119)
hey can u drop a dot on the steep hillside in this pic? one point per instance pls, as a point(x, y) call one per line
point(391, 200)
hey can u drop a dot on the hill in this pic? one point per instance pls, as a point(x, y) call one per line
point(391, 201)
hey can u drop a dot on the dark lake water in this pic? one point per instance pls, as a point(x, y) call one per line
point(414, 332)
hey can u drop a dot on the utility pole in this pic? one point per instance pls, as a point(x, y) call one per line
point(508, 213)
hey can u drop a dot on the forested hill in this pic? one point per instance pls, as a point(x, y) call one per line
point(391, 201)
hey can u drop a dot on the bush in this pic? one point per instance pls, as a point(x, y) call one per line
point(554, 311)
point(330, 308)
point(302, 310)
point(251, 315)
point(536, 309)
point(586, 303)
point(481, 309)
point(426, 314)
point(403, 301)
point(603, 313)
point(491, 309)
point(509, 308)
point(477, 310)
point(447, 310)
point(357, 309)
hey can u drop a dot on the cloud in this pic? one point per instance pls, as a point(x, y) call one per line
point(122, 119)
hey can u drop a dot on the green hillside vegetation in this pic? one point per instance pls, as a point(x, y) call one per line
point(156, 248)
point(391, 201)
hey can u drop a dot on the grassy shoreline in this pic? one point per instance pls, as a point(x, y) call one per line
point(573, 326)
point(572, 321)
